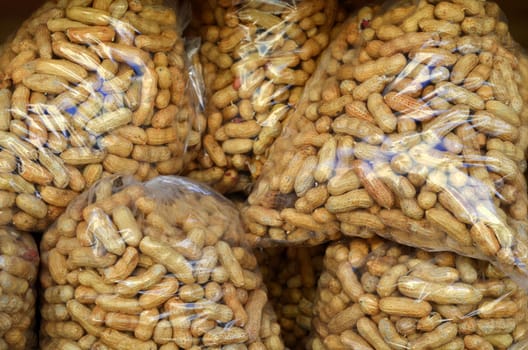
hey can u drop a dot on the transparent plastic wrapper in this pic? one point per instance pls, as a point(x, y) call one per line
point(256, 57)
point(155, 265)
point(291, 276)
point(375, 294)
point(413, 128)
point(19, 262)
point(91, 88)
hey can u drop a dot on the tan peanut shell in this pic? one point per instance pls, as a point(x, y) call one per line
point(291, 276)
point(430, 98)
point(253, 80)
point(19, 261)
point(89, 89)
point(436, 300)
point(152, 265)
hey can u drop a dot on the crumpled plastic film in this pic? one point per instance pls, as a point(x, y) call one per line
point(19, 263)
point(256, 57)
point(155, 265)
point(375, 294)
point(414, 127)
point(89, 89)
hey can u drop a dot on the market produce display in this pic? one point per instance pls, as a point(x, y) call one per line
point(374, 294)
point(19, 261)
point(88, 89)
point(155, 265)
point(291, 275)
point(414, 128)
point(374, 158)
point(256, 58)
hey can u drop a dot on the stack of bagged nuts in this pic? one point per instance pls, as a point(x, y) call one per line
point(155, 265)
point(90, 88)
point(374, 294)
point(256, 58)
point(291, 275)
point(413, 127)
point(19, 260)
point(407, 121)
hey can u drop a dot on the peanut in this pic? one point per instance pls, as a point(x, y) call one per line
point(151, 270)
point(252, 86)
point(18, 273)
point(429, 317)
point(410, 104)
point(291, 288)
point(85, 96)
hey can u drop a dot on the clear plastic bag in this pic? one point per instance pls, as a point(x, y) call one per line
point(19, 262)
point(375, 294)
point(155, 265)
point(92, 88)
point(291, 275)
point(414, 127)
point(256, 57)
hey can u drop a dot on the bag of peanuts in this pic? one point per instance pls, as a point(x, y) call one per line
point(155, 265)
point(414, 127)
point(19, 261)
point(291, 275)
point(375, 294)
point(256, 57)
point(91, 88)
